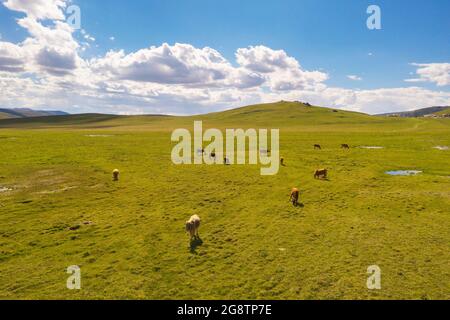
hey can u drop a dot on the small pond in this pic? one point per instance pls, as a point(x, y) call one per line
point(403, 172)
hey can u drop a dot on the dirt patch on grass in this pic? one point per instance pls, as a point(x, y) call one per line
point(5, 189)
point(57, 190)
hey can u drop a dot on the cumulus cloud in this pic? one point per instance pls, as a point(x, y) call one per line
point(178, 64)
point(438, 73)
point(265, 60)
point(38, 9)
point(55, 62)
point(282, 72)
point(390, 99)
point(50, 48)
point(11, 57)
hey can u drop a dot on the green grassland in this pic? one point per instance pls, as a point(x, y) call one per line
point(443, 112)
point(57, 174)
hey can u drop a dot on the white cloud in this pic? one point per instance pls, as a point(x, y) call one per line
point(112, 38)
point(265, 60)
point(178, 64)
point(390, 99)
point(354, 77)
point(38, 9)
point(438, 73)
point(282, 72)
point(87, 36)
point(11, 57)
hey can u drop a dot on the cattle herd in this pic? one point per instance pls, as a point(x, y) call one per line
point(193, 224)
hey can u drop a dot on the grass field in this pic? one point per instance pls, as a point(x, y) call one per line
point(55, 173)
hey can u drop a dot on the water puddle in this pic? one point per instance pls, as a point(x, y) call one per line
point(4, 189)
point(99, 135)
point(404, 172)
point(372, 147)
point(441, 147)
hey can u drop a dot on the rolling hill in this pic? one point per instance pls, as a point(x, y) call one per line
point(419, 112)
point(286, 115)
point(27, 113)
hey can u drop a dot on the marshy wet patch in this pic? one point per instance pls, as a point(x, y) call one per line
point(4, 189)
point(404, 172)
point(64, 189)
point(372, 147)
point(99, 135)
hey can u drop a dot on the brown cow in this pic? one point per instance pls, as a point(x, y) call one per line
point(317, 146)
point(294, 196)
point(192, 226)
point(321, 173)
point(345, 146)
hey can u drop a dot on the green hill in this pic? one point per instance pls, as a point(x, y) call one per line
point(445, 112)
point(4, 115)
point(285, 115)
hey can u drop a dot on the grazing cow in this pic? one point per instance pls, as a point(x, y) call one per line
point(116, 175)
point(213, 155)
point(192, 226)
point(345, 146)
point(294, 196)
point(321, 173)
point(317, 146)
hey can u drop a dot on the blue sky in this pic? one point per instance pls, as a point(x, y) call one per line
point(329, 36)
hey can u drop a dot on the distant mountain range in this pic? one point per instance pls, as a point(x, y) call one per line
point(27, 113)
point(18, 113)
point(425, 112)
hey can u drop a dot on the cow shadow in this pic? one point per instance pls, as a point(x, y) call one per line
point(299, 205)
point(195, 243)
